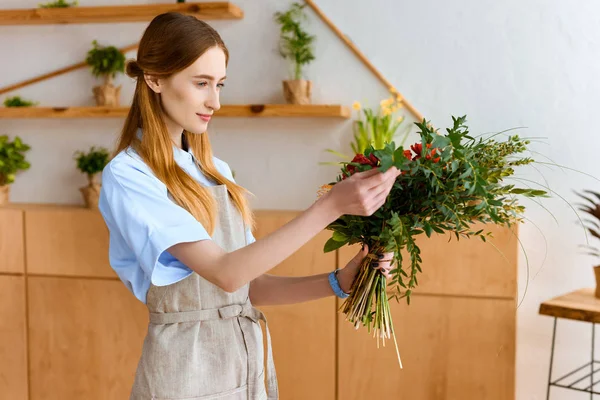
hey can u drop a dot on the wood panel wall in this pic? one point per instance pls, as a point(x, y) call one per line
point(69, 329)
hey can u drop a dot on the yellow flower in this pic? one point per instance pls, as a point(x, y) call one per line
point(386, 112)
point(397, 106)
point(386, 103)
point(356, 106)
point(400, 119)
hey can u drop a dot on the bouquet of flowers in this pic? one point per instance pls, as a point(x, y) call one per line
point(448, 183)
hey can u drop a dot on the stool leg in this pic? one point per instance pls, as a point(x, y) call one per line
point(551, 360)
point(592, 365)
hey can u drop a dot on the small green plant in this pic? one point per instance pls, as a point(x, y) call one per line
point(591, 224)
point(12, 159)
point(295, 43)
point(92, 162)
point(17, 101)
point(58, 4)
point(105, 61)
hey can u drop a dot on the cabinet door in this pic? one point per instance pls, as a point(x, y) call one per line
point(452, 348)
point(12, 256)
point(86, 337)
point(67, 241)
point(13, 339)
point(303, 334)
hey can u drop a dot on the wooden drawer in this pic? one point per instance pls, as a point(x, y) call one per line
point(69, 241)
point(452, 348)
point(12, 255)
point(13, 339)
point(86, 338)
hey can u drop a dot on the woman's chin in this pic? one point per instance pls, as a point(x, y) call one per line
point(197, 128)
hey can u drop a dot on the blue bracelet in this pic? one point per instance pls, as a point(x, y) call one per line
point(335, 285)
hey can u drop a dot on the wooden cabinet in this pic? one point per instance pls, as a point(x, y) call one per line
point(452, 348)
point(67, 241)
point(71, 330)
point(12, 256)
point(13, 339)
point(303, 334)
point(456, 338)
point(85, 336)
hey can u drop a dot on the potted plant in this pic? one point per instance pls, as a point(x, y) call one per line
point(17, 101)
point(296, 45)
point(12, 160)
point(91, 164)
point(592, 225)
point(106, 62)
point(58, 4)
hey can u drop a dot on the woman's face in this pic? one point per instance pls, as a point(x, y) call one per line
point(190, 97)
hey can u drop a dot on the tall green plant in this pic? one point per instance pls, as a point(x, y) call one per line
point(12, 159)
point(295, 43)
point(376, 128)
point(92, 162)
point(105, 61)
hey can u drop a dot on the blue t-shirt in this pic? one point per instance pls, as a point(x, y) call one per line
point(144, 222)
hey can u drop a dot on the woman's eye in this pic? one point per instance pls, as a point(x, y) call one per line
point(202, 83)
point(221, 85)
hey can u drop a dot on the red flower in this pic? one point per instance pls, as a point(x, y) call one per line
point(362, 160)
point(418, 148)
point(408, 154)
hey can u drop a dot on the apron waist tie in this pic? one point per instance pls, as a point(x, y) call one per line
point(250, 315)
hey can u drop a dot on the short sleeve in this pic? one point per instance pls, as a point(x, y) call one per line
point(148, 221)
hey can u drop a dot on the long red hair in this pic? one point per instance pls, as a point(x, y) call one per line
point(171, 43)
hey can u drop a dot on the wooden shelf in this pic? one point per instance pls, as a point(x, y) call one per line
point(130, 13)
point(257, 110)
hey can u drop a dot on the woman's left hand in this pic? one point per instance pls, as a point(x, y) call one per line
point(348, 273)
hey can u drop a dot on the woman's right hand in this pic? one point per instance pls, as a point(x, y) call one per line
point(363, 193)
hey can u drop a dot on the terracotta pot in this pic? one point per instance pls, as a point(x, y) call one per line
point(91, 195)
point(597, 274)
point(107, 94)
point(4, 194)
point(297, 91)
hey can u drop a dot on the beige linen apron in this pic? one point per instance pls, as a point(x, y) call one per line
point(202, 342)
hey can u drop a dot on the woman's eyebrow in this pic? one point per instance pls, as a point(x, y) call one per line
point(209, 77)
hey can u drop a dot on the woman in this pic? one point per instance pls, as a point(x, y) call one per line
point(181, 228)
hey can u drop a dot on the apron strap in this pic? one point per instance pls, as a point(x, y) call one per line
point(250, 315)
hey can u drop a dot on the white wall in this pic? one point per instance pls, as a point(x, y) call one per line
point(504, 64)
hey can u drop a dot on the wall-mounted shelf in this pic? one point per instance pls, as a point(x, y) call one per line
point(107, 14)
point(251, 110)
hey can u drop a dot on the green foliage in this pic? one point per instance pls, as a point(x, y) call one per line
point(93, 161)
point(448, 182)
point(592, 208)
point(105, 61)
point(376, 128)
point(17, 101)
point(295, 43)
point(12, 159)
point(58, 4)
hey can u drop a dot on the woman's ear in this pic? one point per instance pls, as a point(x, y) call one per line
point(153, 83)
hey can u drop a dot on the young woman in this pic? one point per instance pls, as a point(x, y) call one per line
point(181, 228)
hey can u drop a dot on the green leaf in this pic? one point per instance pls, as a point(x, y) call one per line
point(332, 245)
point(427, 228)
point(339, 237)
